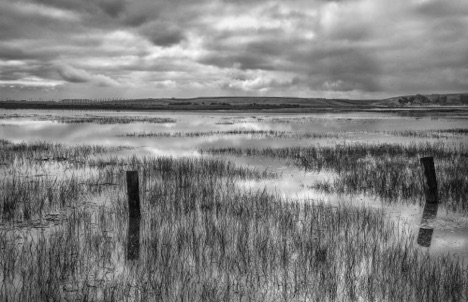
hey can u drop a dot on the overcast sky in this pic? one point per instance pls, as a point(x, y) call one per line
point(186, 48)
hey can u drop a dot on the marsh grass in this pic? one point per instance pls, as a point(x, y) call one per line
point(389, 171)
point(39, 178)
point(30, 188)
point(258, 133)
point(252, 133)
point(29, 152)
point(112, 119)
point(312, 119)
point(440, 133)
point(205, 239)
point(276, 134)
point(26, 199)
point(89, 118)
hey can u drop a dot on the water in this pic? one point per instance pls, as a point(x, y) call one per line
point(451, 230)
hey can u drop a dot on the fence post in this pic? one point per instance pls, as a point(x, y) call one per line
point(432, 202)
point(430, 188)
point(133, 194)
point(133, 235)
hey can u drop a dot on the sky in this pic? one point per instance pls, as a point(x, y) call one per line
point(54, 49)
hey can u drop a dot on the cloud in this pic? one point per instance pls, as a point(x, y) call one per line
point(74, 75)
point(44, 11)
point(299, 47)
point(162, 34)
point(31, 82)
point(112, 8)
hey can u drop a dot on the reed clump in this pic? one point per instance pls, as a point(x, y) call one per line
point(90, 118)
point(110, 119)
point(30, 152)
point(252, 133)
point(258, 133)
point(439, 133)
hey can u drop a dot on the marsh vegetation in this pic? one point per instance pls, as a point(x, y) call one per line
point(203, 236)
point(390, 171)
point(239, 132)
point(90, 118)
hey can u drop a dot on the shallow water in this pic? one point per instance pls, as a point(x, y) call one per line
point(451, 230)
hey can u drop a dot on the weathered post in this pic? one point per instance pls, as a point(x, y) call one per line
point(432, 202)
point(133, 194)
point(133, 235)
point(430, 188)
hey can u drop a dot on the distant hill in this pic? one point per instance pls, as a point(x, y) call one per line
point(194, 104)
point(287, 104)
point(419, 100)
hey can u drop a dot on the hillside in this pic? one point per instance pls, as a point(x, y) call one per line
point(288, 104)
point(194, 104)
point(418, 100)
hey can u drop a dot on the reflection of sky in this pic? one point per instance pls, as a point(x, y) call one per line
point(453, 242)
point(26, 123)
point(107, 134)
point(451, 232)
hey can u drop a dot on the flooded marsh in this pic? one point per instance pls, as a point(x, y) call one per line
point(264, 207)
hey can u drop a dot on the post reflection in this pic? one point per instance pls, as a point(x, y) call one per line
point(133, 239)
point(426, 232)
point(429, 213)
point(425, 236)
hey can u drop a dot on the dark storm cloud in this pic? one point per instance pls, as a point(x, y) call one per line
point(242, 60)
point(21, 20)
point(440, 9)
point(297, 47)
point(113, 8)
point(165, 38)
point(16, 52)
point(332, 61)
point(11, 73)
point(343, 70)
point(162, 33)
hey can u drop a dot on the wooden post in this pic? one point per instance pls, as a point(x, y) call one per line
point(430, 189)
point(133, 194)
point(133, 235)
point(432, 202)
